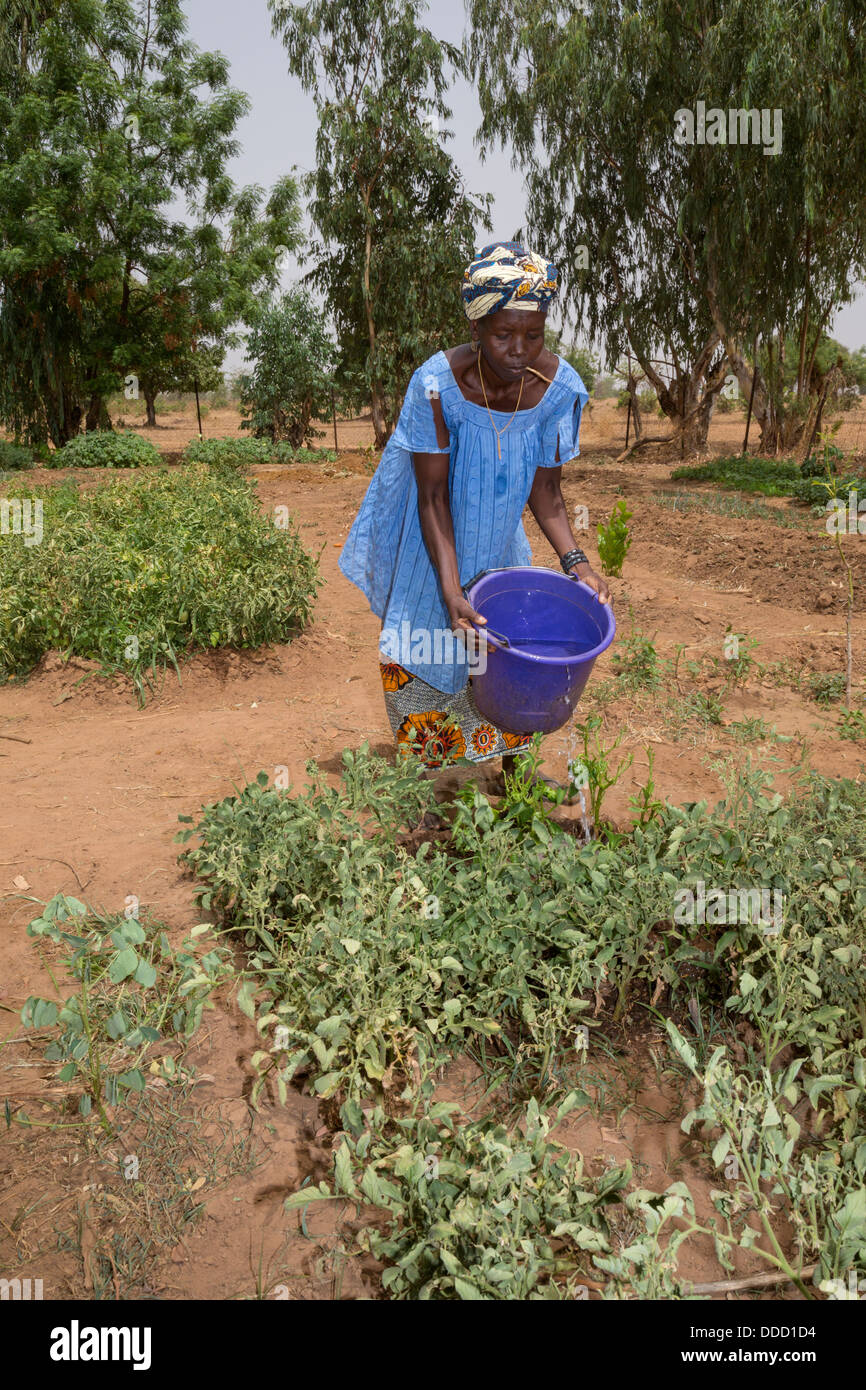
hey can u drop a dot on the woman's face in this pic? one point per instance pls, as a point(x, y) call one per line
point(511, 340)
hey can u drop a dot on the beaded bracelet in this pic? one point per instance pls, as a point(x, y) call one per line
point(572, 558)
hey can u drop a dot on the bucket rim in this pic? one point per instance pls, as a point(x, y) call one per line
point(532, 656)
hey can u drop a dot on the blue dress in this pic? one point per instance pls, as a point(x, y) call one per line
point(385, 554)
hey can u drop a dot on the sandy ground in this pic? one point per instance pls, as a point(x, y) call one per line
point(93, 787)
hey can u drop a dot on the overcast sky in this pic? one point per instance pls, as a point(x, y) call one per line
point(280, 130)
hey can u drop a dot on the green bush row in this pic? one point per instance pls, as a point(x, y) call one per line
point(143, 571)
point(106, 449)
point(373, 964)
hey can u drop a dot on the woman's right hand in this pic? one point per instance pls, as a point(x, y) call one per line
point(461, 613)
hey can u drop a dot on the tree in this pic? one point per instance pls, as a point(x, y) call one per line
point(110, 115)
point(584, 361)
point(290, 384)
point(165, 353)
point(395, 227)
point(685, 242)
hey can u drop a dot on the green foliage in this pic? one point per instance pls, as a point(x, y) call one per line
point(722, 504)
point(852, 725)
point(234, 451)
point(644, 804)
point(706, 708)
point(753, 730)
point(592, 772)
point(584, 361)
point(527, 795)
point(818, 492)
point(109, 117)
point(614, 540)
point(762, 1145)
point(827, 688)
point(135, 993)
point(15, 456)
point(474, 1211)
point(596, 191)
point(394, 226)
point(830, 460)
point(768, 477)
point(139, 572)
point(373, 964)
point(736, 670)
point(646, 401)
point(293, 362)
point(372, 959)
point(637, 663)
point(105, 449)
point(238, 451)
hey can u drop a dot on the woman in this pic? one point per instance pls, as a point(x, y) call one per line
point(484, 429)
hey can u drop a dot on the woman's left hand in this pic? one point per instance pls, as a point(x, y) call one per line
point(595, 581)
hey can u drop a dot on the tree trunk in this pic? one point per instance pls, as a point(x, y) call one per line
point(377, 396)
point(692, 428)
point(97, 417)
point(150, 408)
point(631, 387)
point(297, 432)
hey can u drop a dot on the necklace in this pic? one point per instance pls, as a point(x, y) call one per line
point(498, 433)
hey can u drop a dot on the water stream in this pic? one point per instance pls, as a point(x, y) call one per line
point(577, 777)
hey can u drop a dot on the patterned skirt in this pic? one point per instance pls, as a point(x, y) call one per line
point(441, 727)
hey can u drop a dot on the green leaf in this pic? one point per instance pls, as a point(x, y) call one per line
point(131, 1080)
point(720, 1150)
point(343, 1170)
point(123, 964)
point(145, 975)
point(372, 1188)
point(322, 1193)
point(329, 1083)
point(246, 998)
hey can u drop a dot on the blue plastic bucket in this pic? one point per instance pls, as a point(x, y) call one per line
point(535, 690)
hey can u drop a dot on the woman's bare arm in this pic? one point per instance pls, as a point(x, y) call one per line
point(547, 505)
point(437, 528)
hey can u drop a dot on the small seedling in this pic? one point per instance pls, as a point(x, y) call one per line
point(614, 540)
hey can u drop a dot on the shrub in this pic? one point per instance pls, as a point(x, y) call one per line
point(746, 473)
point(816, 492)
point(292, 360)
point(637, 663)
point(139, 572)
point(646, 401)
point(614, 540)
point(15, 456)
point(231, 452)
point(106, 449)
point(827, 688)
point(239, 451)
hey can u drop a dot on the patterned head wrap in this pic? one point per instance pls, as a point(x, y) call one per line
point(506, 275)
